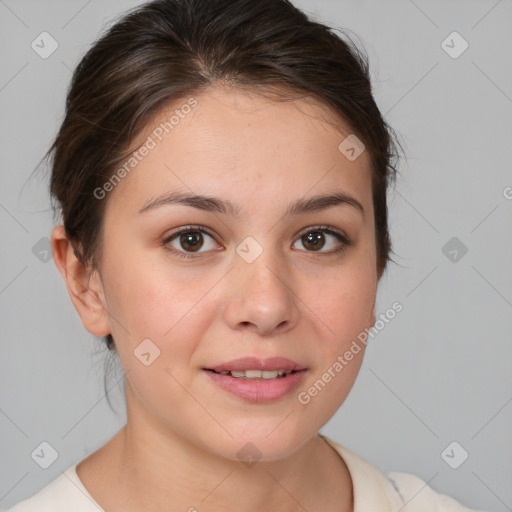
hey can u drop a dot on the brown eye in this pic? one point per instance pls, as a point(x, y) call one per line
point(316, 239)
point(313, 240)
point(190, 240)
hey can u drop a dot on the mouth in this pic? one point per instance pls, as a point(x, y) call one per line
point(254, 367)
point(255, 374)
point(257, 380)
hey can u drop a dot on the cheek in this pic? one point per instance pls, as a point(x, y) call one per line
point(341, 312)
point(344, 302)
point(159, 302)
point(160, 321)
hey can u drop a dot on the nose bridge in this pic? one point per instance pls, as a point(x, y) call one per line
point(261, 270)
point(261, 294)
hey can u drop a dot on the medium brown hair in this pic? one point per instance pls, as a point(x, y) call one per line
point(165, 50)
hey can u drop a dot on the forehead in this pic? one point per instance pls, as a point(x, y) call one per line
point(222, 138)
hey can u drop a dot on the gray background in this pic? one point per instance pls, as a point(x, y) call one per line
point(439, 372)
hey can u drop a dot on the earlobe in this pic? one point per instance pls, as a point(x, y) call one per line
point(83, 283)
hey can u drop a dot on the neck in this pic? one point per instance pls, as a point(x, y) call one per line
point(183, 476)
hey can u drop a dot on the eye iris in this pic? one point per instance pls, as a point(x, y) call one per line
point(313, 238)
point(191, 238)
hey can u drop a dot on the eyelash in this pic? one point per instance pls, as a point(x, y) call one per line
point(345, 242)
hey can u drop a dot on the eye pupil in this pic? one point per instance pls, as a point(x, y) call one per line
point(191, 238)
point(313, 238)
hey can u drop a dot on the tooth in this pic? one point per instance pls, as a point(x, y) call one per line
point(256, 374)
point(252, 374)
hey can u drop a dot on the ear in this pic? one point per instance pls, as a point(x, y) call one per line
point(84, 284)
point(380, 270)
point(373, 318)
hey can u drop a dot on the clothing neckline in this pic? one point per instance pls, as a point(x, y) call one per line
point(370, 487)
point(72, 475)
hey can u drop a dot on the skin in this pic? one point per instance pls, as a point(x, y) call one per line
point(183, 431)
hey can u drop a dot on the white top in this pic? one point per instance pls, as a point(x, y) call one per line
point(373, 491)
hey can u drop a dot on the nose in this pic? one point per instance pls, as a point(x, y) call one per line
point(261, 296)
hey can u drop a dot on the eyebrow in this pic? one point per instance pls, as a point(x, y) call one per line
point(217, 205)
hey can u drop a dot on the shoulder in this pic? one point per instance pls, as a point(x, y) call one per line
point(392, 492)
point(65, 493)
point(418, 496)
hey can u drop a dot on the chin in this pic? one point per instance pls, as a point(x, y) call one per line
point(259, 446)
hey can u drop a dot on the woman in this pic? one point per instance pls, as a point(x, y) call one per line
point(222, 172)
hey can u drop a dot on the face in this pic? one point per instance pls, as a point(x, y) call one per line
point(249, 280)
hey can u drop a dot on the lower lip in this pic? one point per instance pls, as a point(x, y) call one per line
point(258, 391)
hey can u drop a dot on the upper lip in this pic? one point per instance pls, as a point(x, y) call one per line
point(254, 363)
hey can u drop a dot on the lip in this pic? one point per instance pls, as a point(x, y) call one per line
point(254, 363)
point(258, 391)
